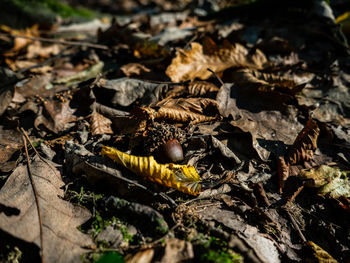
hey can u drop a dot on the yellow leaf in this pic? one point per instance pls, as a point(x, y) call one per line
point(181, 177)
point(321, 255)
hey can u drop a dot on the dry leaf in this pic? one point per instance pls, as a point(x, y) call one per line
point(196, 105)
point(143, 256)
point(10, 142)
point(62, 241)
point(171, 115)
point(193, 63)
point(265, 81)
point(134, 69)
point(304, 145)
point(301, 151)
point(60, 116)
point(177, 250)
point(194, 88)
point(320, 255)
point(189, 110)
point(181, 177)
point(100, 124)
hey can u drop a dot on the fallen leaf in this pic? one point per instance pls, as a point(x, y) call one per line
point(271, 124)
point(181, 177)
point(60, 116)
point(10, 142)
point(143, 256)
point(320, 255)
point(301, 151)
point(194, 63)
point(134, 69)
point(171, 115)
point(330, 181)
point(100, 124)
point(62, 241)
point(125, 91)
point(7, 91)
point(177, 250)
point(194, 88)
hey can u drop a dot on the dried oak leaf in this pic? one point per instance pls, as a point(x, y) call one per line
point(100, 124)
point(62, 241)
point(193, 63)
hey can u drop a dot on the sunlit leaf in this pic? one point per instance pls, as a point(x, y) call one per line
point(181, 177)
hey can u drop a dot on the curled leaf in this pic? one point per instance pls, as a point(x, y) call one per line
point(301, 151)
point(305, 144)
point(193, 63)
point(194, 88)
point(320, 255)
point(181, 177)
point(188, 110)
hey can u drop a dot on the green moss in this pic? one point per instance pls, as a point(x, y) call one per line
point(55, 7)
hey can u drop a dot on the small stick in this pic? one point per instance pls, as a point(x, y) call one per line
point(36, 197)
point(63, 42)
point(216, 75)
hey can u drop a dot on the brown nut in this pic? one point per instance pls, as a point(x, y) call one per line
point(173, 151)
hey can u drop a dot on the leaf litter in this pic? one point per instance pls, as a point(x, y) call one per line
point(257, 107)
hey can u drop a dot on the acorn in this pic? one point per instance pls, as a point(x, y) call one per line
point(172, 151)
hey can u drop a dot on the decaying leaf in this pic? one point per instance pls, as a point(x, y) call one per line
point(194, 88)
point(320, 255)
point(265, 81)
point(301, 151)
point(10, 142)
point(305, 144)
point(134, 69)
point(62, 241)
point(60, 116)
point(181, 177)
point(193, 63)
point(331, 181)
point(197, 105)
point(171, 115)
point(143, 256)
point(125, 91)
point(100, 124)
point(187, 110)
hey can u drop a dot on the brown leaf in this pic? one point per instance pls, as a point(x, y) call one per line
point(134, 69)
point(193, 63)
point(177, 250)
point(304, 145)
point(196, 105)
point(143, 256)
point(320, 255)
point(300, 152)
point(181, 110)
point(194, 88)
point(62, 241)
point(100, 124)
point(10, 142)
point(265, 81)
point(59, 116)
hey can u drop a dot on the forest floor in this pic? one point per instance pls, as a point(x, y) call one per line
point(174, 131)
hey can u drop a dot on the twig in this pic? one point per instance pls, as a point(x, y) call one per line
point(63, 42)
point(36, 197)
point(216, 75)
point(296, 227)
